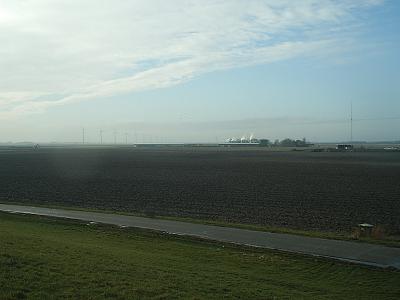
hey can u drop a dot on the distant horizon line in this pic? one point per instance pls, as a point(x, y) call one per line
point(185, 143)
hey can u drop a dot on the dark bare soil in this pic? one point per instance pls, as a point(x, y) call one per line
point(304, 190)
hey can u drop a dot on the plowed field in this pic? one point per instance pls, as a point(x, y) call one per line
point(303, 190)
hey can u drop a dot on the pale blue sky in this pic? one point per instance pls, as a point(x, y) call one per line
point(271, 75)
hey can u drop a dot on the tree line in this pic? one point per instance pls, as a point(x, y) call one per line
point(284, 143)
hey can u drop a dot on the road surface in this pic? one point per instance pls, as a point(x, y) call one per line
point(362, 253)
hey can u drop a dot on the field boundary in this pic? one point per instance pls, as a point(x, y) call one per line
point(340, 236)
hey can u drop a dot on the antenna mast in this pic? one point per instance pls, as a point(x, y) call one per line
point(83, 135)
point(351, 122)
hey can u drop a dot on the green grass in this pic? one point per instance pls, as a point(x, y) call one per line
point(45, 258)
point(391, 241)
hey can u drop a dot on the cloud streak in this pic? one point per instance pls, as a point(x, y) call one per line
point(59, 52)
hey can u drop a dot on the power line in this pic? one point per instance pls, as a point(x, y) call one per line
point(378, 119)
point(341, 121)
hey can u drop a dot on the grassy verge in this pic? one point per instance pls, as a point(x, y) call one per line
point(391, 241)
point(45, 258)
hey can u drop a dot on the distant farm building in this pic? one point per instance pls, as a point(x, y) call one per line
point(344, 147)
point(251, 140)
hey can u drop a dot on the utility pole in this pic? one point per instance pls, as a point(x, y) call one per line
point(115, 137)
point(351, 122)
point(126, 138)
point(101, 137)
point(83, 135)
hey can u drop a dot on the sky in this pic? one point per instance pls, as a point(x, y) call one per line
point(199, 71)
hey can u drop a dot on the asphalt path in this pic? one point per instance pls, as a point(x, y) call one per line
point(361, 253)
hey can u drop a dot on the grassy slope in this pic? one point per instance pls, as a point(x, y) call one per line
point(42, 258)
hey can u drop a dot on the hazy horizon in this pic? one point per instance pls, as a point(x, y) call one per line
point(208, 132)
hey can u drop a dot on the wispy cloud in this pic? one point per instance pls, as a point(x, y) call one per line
point(59, 52)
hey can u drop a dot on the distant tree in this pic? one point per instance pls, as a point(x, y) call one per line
point(294, 143)
point(265, 142)
point(299, 143)
point(288, 143)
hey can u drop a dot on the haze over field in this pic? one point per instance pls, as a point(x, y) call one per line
point(174, 71)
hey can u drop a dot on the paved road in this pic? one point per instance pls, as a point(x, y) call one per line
point(361, 253)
